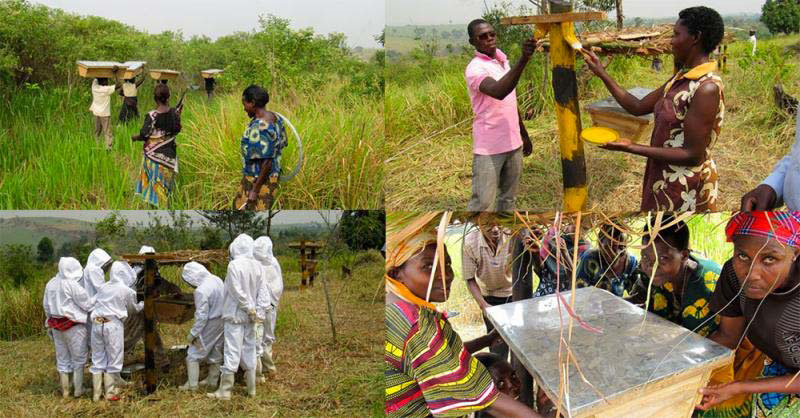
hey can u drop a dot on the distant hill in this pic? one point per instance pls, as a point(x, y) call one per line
point(30, 230)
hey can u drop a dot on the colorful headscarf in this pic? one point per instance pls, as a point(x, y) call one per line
point(781, 226)
point(404, 244)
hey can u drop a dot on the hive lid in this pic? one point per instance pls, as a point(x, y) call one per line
point(632, 349)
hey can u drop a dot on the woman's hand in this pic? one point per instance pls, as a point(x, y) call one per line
point(715, 395)
point(593, 62)
point(618, 145)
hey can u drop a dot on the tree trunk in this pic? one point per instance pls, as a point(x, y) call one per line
point(620, 16)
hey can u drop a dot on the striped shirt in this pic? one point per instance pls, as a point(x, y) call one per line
point(428, 370)
point(490, 268)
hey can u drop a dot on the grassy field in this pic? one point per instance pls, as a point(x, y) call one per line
point(50, 158)
point(707, 239)
point(428, 153)
point(316, 377)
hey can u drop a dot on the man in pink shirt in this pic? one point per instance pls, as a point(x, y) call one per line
point(499, 136)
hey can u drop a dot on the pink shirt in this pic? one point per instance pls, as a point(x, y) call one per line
point(496, 126)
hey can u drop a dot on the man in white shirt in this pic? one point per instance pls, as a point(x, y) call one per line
point(782, 186)
point(101, 108)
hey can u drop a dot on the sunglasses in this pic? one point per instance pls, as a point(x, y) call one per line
point(486, 35)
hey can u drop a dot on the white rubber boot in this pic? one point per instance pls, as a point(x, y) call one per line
point(266, 359)
point(110, 388)
point(97, 386)
point(77, 381)
point(259, 371)
point(213, 376)
point(64, 379)
point(225, 387)
point(193, 373)
point(250, 377)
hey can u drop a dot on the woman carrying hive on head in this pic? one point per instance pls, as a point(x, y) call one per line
point(680, 174)
point(429, 370)
point(130, 102)
point(261, 146)
point(161, 126)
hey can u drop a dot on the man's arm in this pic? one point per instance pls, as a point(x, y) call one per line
point(501, 88)
point(506, 406)
point(475, 290)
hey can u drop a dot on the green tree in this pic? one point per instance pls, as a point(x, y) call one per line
point(16, 265)
point(235, 222)
point(110, 228)
point(45, 250)
point(781, 16)
point(212, 239)
point(363, 229)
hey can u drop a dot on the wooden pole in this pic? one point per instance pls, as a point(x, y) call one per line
point(312, 266)
point(303, 268)
point(565, 89)
point(151, 374)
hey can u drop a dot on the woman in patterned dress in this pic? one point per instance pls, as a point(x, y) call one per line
point(160, 165)
point(261, 146)
point(680, 174)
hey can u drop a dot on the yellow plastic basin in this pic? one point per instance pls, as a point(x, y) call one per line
point(599, 135)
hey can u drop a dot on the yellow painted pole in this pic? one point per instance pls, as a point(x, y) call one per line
point(568, 116)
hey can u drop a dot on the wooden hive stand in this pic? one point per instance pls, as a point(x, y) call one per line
point(308, 262)
point(560, 26)
point(166, 308)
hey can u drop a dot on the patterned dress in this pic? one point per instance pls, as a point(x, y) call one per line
point(594, 271)
point(670, 187)
point(160, 165)
point(692, 310)
point(261, 140)
point(428, 370)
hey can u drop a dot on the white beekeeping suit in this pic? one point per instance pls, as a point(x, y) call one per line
point(66, 305)
point(112, 302)
point(240, 311)
point(205, 337)
point(753, 41)
point(272, 272)
point(139, 267)
point(93, 275)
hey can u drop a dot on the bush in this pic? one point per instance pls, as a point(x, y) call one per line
point(16, 264)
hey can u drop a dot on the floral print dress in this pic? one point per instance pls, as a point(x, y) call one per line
point(669, 187)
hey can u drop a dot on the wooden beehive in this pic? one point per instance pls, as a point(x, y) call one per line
point(132, 68)
point(610, 114)
point(636, 365)
point(211, 73)
point(97, 69)
point(175, 310)
point(164, 74)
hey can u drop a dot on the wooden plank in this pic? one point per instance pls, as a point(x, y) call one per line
point(553, 18)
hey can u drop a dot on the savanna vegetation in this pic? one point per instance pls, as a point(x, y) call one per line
point(318, 374)
point(429, 151)
point(49, 158)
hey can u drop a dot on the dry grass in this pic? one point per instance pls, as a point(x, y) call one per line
point(315, 376)
point(429, 135)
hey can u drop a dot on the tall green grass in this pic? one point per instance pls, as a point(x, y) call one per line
point(429, 148)
point(50, 158)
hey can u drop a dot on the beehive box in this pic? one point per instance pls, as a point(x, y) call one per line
point(164, 74)
point(211, 73)
point(638, 365)
point(97, 69)
point(132, 68)
point(175, 310)
point(609, 113)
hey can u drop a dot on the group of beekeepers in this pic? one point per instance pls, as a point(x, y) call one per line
point(234, 321)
